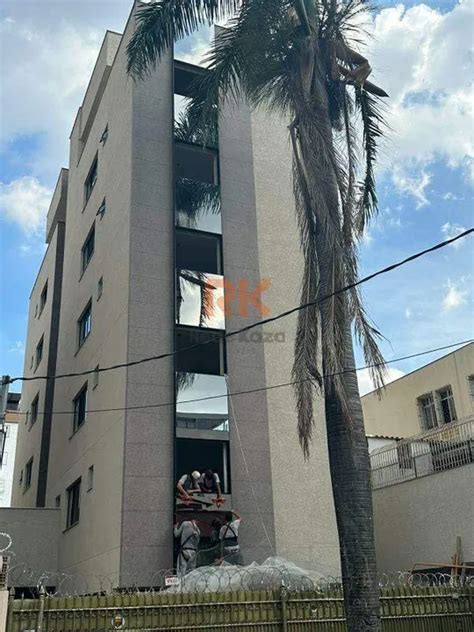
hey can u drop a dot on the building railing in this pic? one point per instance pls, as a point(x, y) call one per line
point(433, 451)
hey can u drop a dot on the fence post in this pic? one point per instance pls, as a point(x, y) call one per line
point(284, 612)
point(39, 625)
point(11, 600)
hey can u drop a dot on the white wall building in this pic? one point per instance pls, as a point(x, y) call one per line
point(8, 462)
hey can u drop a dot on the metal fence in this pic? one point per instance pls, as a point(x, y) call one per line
point(407, 608)
point(433, 451)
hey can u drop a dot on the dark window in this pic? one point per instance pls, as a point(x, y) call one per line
point(426, 406)
point(101, 210)
point(88, 249)
point(39, 352)
point(80, 408)
point(196, 163)
point(84, 324)
point(73, 503)
point(446, 402)
point(196, 251)
point(100, 287)
point(28, 473)
point(105, 135)
point(90, 478)
point(208, 358)
point(34, 409)
point(57, 501)
point(43, 297)
point(91, 180)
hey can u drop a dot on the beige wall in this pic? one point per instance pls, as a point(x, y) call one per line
point(39, 324)
point(99, 442)
point(418, 521)
point(395, 411)
point(305, 524)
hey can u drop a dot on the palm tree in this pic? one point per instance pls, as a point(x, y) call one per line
point(296, 57)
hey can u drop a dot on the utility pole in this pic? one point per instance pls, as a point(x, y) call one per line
point(3, 409)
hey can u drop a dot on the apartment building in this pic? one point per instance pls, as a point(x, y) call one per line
point(429, 397)
point(137, 267)
point(423, 465)
point(9, 448)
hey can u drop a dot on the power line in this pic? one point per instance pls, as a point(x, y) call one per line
point(263, 388)
point(260, 323)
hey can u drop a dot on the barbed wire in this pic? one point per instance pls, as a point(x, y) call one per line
point(271, 575)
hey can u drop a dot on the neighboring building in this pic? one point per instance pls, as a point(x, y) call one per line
point(11, 431)
point(429, 397)
point(423, 468)
point(118, 284)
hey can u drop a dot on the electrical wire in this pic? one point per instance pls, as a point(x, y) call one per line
point(258, 390)
point(259, 323)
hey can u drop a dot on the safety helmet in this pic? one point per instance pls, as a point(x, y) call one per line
point(196, 475)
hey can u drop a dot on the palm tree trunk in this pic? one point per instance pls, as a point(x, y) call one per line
point(350, 475)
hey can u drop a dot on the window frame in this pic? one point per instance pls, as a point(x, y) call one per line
point(28, 474)
point(79, 408)
point(39, 346)
point(422, 408)
point(34, 410)
point(43, 298)
point(91, 179)
point(449, 399)
point(82, 335)
point(86, 253)
point(73, 517)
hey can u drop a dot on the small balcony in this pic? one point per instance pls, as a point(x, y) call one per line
point(428, 453)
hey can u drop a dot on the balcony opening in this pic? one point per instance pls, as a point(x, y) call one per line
point(198, 251)
point(208, 357)
point(202, 455)
point(196, 416)
point(196, 163)
point(200, 299)
point(198, 205)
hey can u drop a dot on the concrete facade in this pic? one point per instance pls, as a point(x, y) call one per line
point(418, 521)
point(395, 411)
point(127, 503)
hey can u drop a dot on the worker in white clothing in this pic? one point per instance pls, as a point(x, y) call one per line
point(229, 538)
point(188, 484)
point(189, 533)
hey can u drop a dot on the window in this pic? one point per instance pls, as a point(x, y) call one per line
point(206, 454)
point(32, 362)
point(36, 311)
point(88, 249)
point(20, 482)
point(208, 358)
point(43, 297)
point(73, 503)
point(446, 404)
point(100, 287)
point(470, 381)
point(427, 410)
point(95, 382)
point(105, 135)
point(90, 478)
point(90, 180)
point(196, 163)
point(101, 210)
point(80, 408)
point(200, 252)
point(28, 473)
point(34, 409)
point(57, 501)
point(39, 352)
point(84, 324)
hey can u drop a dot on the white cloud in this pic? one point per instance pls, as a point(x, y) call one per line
point(451, 230)
point(408, 313)
point(366, 384)
point(422, 57)
point(415, 186)
point(455, 297)
point(17, 347)
point(452, 196)
point(25, 202)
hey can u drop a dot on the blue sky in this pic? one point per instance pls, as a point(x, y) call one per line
point(421, 53)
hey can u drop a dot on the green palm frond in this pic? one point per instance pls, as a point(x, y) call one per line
point(163, 22)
